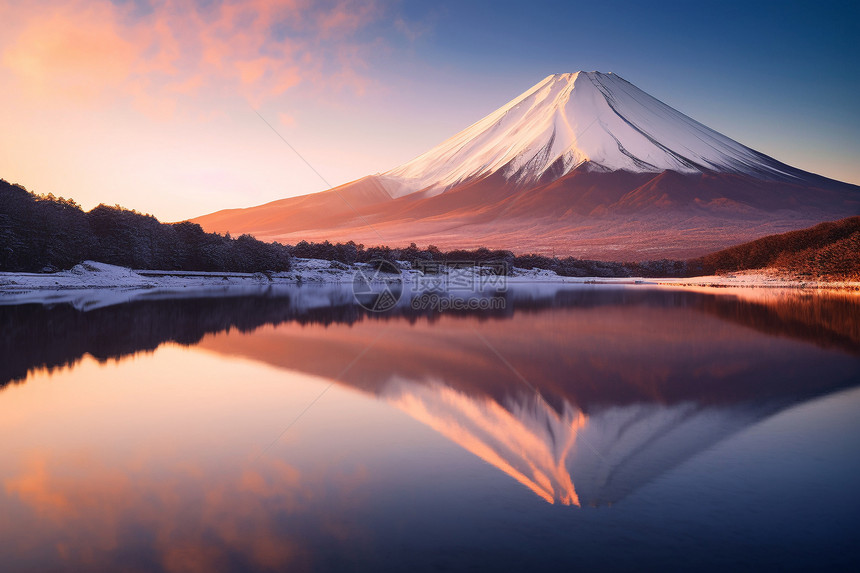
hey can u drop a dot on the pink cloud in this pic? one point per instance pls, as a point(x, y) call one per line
point(63, 50)
point(83, 506)
point(87, 51)
point(346, 17)
point(286, 119)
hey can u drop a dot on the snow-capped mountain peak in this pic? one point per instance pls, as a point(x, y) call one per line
point(569, 119)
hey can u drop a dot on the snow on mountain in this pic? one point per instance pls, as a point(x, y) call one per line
point(569, 119)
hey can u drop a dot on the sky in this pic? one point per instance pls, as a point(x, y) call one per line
point(180, 107)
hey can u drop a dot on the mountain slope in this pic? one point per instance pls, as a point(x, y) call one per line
point(334, 208)
point(585, 164)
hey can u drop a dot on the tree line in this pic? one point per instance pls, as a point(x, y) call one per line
point(43, 232)
point(495, 260)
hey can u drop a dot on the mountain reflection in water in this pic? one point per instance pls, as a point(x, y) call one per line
point(582, 394)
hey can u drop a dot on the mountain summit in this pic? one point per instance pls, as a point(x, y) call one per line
point(570, 120)
point(583, 163)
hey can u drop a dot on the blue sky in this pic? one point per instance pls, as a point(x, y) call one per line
point(783, 77)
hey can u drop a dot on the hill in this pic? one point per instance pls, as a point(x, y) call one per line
point(829, 251)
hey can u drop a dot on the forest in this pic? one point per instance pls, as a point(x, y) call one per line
point(46, 233)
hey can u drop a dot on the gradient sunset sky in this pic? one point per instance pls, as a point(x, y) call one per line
point(153, 104)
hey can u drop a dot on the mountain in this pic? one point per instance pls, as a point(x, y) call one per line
point(589, 119)
point(584, 164)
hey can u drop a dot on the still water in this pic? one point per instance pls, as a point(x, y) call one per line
point(577, 427)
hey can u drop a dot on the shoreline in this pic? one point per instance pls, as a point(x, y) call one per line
point(112, 284)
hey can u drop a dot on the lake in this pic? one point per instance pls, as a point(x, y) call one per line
point(568, 426)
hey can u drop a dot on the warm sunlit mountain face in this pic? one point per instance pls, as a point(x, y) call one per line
point(530, 442)
point(582, 163)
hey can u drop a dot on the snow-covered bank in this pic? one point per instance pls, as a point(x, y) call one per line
point(757, 279)
point(92, 284)
point(91, 275)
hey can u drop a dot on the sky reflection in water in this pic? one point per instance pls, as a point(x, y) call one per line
point(702, 427)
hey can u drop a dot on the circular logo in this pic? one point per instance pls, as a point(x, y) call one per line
point(378, 286)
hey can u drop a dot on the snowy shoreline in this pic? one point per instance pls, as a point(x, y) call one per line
point(109, 284)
